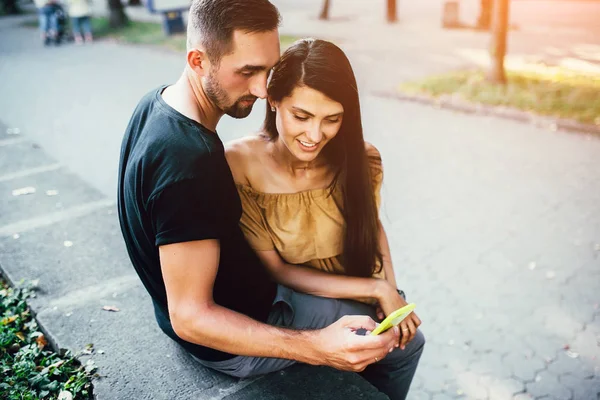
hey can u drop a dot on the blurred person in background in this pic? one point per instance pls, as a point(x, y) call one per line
point(80, 12)
point(48, 20)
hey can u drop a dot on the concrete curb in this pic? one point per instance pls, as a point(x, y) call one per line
point(452, 103)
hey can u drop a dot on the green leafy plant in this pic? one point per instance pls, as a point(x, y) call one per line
point(29, 369)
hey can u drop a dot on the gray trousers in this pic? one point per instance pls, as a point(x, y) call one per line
point(392, 375)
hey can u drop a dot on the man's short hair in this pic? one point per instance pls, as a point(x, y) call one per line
point(211, 23)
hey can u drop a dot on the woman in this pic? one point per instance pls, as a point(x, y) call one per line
point(80, 12)
point(309, 185)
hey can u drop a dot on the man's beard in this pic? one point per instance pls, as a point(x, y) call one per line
point(219, 97)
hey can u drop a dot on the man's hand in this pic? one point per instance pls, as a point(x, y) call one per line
point(340, 347)
point(389, 301)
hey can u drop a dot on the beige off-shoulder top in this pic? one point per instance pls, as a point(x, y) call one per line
point(304, 228)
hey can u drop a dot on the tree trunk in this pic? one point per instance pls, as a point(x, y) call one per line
point(391, 11)
point(117, 17)
point(485, 14)
point(496, 74)
point(325, 10)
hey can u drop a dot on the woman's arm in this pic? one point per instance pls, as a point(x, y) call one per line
point(320, 283)
point(388, 267)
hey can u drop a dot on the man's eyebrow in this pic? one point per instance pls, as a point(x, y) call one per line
point(298, 109)
point(253, 68)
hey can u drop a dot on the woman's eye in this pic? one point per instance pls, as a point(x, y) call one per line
point(334, 121)
point(300, 118)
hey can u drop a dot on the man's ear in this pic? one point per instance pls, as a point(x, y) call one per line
point(198, 62)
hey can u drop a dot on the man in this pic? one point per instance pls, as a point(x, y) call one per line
point(179, 212)
point(48, 20)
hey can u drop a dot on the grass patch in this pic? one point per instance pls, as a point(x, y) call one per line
point(146, 33)
point(544, 90)
point(29, 370)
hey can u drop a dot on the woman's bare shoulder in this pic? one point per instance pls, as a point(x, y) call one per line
point(242, 154)
point(372, 151)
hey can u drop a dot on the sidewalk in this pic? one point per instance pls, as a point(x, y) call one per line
point(494, 229)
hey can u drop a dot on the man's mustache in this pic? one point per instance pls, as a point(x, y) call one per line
point(247, 98)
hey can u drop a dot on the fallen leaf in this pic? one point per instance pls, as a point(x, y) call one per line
point(57, 364)
point(41, 342)
point(20, 335)
point(9, 320)
point(90, 366)
point(111, 308)
point(65, 395)
point(23, 191)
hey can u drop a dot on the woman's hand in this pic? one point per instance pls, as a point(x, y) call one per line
point(389, 301)
point(388, 297)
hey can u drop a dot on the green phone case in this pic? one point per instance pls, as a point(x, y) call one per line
point(394, 318)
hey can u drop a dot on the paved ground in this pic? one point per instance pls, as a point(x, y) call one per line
point(494, 227)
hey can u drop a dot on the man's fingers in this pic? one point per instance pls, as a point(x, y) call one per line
point(358, 322)
point(382, 342)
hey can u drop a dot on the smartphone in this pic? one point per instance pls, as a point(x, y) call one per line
point(394, 319)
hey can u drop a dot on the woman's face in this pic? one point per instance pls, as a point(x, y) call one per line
point(306, 121)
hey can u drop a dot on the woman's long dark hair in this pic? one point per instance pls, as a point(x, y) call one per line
point(324, 67)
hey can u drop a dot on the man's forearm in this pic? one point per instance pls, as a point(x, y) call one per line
point(223, 329)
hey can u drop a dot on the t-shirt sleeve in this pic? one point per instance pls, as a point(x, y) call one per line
point(376, 169)
point(253, 224)
point(185, 211)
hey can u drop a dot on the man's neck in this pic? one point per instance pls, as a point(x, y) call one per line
point(188, 97)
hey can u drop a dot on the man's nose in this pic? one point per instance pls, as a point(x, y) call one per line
point(258, 86)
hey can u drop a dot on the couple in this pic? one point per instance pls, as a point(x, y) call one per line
point(270, 251)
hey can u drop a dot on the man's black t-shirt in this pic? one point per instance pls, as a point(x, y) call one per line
point(175, 186)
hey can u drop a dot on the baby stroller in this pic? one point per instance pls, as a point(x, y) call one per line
point(62, 21)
